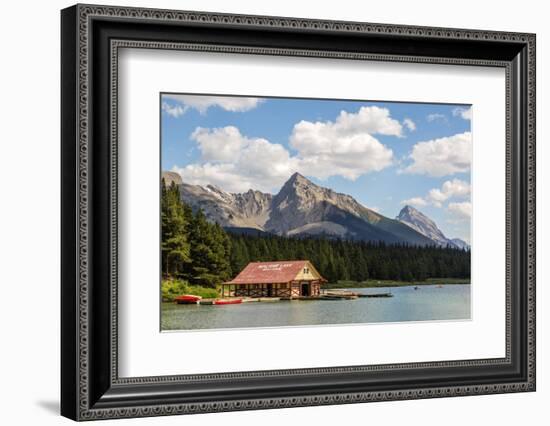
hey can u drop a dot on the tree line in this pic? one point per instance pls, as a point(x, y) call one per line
point(191, 248)
point(354, 260)
point(205, 254)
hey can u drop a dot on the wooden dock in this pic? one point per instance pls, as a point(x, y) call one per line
point(376, 295)
point(347, 294)
point(325, 295)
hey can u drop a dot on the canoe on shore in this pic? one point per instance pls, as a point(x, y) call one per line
point(227, 301)
point(187, 299)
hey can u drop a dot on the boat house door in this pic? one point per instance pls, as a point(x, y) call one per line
point(305, 290)
point(269, 290)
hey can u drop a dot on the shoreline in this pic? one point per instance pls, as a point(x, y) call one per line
point(393, 283)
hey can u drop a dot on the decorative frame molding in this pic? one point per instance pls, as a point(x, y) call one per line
point(91, 37)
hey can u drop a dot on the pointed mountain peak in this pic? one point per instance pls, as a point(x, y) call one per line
point(408, 209)
point(298, 178)
point(422, 224)
point(410, 213)
point(297, 183)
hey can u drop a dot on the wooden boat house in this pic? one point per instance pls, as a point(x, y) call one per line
point(297, 278)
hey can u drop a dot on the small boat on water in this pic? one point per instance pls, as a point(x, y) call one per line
point(439, 286)
point(227, 301)
point(187, 299)
point(377, 295)
point(416, 287)
point(327, 297)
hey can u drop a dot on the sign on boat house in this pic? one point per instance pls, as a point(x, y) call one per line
point(297, 278)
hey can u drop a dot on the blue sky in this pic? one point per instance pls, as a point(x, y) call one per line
point(385, 154)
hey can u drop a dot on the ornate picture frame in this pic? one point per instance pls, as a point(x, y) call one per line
point(91, 37)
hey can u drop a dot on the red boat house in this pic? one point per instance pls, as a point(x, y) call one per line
point(297, 278)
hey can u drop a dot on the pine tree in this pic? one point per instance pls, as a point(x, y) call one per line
point(201, 252)
point(175, 247)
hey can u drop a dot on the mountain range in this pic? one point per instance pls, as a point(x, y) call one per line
point(302, 208)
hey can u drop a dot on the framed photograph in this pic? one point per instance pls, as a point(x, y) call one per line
point(264, 212)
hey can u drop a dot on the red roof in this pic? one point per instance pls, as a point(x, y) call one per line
point(270, 272)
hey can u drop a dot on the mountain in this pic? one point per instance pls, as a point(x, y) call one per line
point(424, 225)
point(460, 243)
point(247, 210)
point(300, 208)
point(304, 208)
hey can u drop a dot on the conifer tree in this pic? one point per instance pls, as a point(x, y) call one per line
point(175, 246)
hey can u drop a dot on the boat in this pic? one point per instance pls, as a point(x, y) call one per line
point(227, 301)
point(377, 295)
point(416, 287)
point(439, 286)
point(330, 297)
point(187, 299)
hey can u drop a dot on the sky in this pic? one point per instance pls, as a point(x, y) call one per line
point(384, 154)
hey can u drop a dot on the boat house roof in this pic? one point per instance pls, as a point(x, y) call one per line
point(273, 272)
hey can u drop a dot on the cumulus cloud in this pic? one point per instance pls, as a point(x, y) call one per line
point(465, 113)
point(460, 211)
point(409, 124)
point(238, 163)
point(436, 117)
point(346, 146)
point(443, 156)
point(415, 202)
point(222, 144)
point(450, 189)
point(201, 103)
point(173, 110)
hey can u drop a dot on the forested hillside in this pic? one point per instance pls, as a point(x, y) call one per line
point(205, 254)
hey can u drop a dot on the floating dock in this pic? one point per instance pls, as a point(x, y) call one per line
point(325, 295)
point(376, 295)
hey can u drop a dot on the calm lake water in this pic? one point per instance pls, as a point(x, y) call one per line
point(450, 302)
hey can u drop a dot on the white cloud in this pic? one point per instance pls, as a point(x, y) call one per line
point(415, 202)
point(409, 124)
point(223, 144)
point(436, 117)
point(443, 156)
point(460, 211)
point(201, 102)
point(450, 189)
point(345, 146)
point(237, 163)
point(372, 119)
point(173, 110)
point(465, 113)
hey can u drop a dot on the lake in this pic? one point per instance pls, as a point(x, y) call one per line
point(429, 302)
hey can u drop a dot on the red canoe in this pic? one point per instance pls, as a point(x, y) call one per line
point(187, 299)
point(227, 301)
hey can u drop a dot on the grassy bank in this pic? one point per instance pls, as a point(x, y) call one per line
point(174, 288)
point(393, 283)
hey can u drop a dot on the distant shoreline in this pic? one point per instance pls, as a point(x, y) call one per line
point(394, 283)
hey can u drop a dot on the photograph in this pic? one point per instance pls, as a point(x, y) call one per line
point(280, 212)
point(269, 208)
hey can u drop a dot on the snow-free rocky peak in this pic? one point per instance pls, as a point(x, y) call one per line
point(424, 225)
point(303, 208)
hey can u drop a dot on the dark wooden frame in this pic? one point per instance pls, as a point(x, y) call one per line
point(90, 386)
